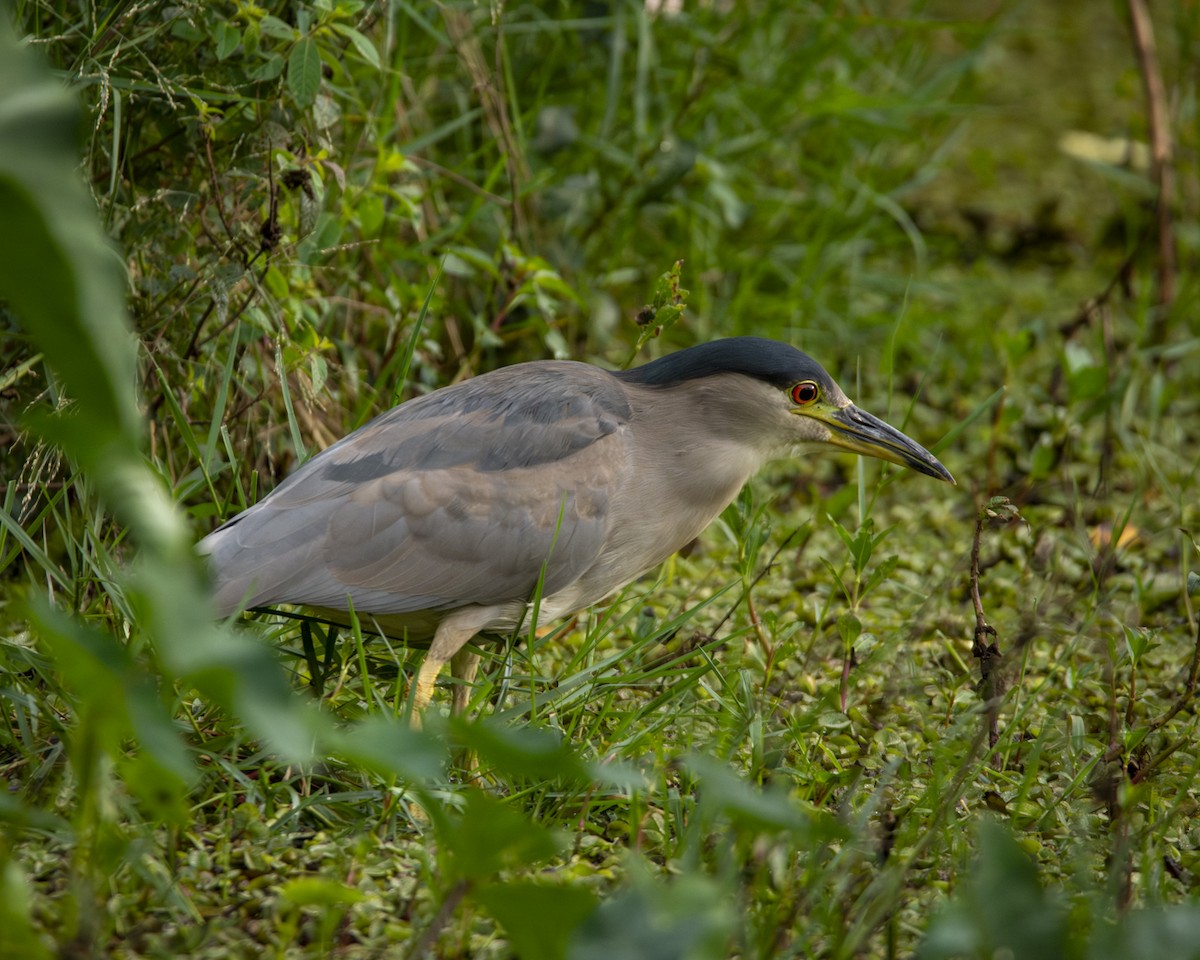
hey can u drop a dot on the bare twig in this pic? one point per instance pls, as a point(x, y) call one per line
point(1189, 689)
point(757, 624)
point(489, 87)
point(218, 196)
point(1090, 310)
point(1116, 746)
point(766, 568)
point(1161, 148)
point(445, 912)
point(458, 178)
point(985, 650)
point(698, 640)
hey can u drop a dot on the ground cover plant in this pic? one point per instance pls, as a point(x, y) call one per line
point(863, 716)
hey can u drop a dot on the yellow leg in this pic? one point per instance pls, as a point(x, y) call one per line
point(463, 667)
point(450, 637)
point(426, 678)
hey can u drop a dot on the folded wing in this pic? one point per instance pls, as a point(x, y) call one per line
point(460, 497)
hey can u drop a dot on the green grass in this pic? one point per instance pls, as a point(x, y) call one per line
point(775, 746)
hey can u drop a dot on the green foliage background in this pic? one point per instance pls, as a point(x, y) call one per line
point(305, 212)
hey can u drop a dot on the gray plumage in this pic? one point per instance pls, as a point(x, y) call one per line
point(443, 512)
point(440, 501)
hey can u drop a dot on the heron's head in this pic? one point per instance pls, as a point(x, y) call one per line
point(779, 390)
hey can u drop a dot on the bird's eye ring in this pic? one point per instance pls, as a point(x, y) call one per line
point(805, 393)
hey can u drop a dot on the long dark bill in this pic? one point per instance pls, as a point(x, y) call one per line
point(855, 429)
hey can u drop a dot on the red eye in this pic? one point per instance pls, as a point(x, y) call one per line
point(805, 393)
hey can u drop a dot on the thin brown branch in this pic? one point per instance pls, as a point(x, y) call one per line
point(757, 624)
point(1189, 689)
point(458, 178)
point(1161, 148)
point(215, 183)
point(984, 647)
point(490, 88)
point(1116, 746)
point(766, 568)
point(445, 912)
point(998, 510)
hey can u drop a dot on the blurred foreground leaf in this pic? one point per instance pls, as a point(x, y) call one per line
point(688, 918)
point(539, 918)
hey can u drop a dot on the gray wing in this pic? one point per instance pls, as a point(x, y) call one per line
point(455, 498)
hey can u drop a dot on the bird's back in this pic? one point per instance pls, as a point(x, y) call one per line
point(453, 498)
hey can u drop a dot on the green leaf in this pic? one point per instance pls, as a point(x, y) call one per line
point(276, 28)
point(844, 535)
point(734, 210)
point(319, 892)
point(232, 669)
point(522, 751)
point(1149, 934)
point(60, 276)
point(304, 71)
point(879, 574)
point(163, 794)
point(18, 937)
point(850, 628)
point(1137, 642)
point(251, 37)
point(743, 802)
point(688, 918)
point(1045, 456)
point(364, 46)
point(228, 37)
point(538, 918)
point(491, 836)
point(268, 69)
point(114, 701)
point(16, 815)
point(836, 576)
point(392, 748)
point(1001, 910)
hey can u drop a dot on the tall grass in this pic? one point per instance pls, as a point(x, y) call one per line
point(773, 746)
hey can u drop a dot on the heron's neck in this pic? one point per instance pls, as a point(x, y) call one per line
point(701, 445)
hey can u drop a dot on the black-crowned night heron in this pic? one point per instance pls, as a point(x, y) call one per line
point(441, 517)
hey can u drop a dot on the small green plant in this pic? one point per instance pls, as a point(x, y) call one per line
point(861, 546)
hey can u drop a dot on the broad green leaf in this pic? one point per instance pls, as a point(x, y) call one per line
point(319, 892)
point(1002, 909)
point(539, 918)
point(16, 815)
point(850, 628)
point(228, 37)
point(276, 28)
point(364, 46)
point(522, 751)
point(745, 803)
point(391, 747)
point(117, 701)
point(304, 71)
point(269, 69)
point(18, 938)
point(490, 836)
point(1149, 934)
point(687, 918)
point(880, 573)
point(61, 276)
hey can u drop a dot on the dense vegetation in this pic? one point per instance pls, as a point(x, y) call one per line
point(803, 738)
